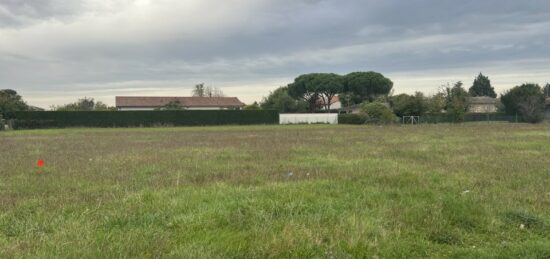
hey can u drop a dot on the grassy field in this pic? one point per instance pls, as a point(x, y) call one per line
point(473, 190)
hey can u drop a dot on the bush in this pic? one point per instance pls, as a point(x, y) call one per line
point(378, 113)
point(526, 100)
point(456, 102)
point(409, 105)
point(456, 113)
point(356, 119)
point(30, 120)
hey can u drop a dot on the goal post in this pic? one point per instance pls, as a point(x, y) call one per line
point(413, 120)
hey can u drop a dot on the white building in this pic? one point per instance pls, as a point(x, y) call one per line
point(482, 104)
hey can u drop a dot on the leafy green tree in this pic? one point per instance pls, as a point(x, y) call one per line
point(409, 105)
point(378, 113)
point(281, 101)
point(436, 103)
point(84, 104)
point(252, 107)
point(456, 102)
point(367, 86)
point(10, 101)
point(306, 88)
point(482, 87)
point(328, 86)
point(315, 87)
point(526, 100)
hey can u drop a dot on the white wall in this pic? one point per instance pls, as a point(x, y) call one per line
point(136, 109)
point(191, 108)
point(205, 108)
point(308, 118)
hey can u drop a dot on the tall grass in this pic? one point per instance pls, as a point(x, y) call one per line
point(474, 190)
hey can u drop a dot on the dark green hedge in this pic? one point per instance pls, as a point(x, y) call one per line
point(352, 119)
point(42, 119)
point(34, 124)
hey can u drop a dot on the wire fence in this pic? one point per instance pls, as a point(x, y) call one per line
point(470, 117)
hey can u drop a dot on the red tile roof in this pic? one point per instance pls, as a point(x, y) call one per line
point(151, 102)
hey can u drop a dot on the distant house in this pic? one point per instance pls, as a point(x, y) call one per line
point(482, 104)
point(145, 103)
point(335, 103)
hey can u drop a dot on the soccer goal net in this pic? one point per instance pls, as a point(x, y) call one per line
point(413, 120)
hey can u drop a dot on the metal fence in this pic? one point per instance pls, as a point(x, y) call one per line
point(470, 117)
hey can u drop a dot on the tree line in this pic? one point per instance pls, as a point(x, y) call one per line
point(313, 92)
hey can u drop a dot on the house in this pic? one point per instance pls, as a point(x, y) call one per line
point(148, 103)
point(335, 103)
point(482, 104)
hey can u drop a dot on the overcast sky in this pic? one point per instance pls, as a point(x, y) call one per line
point(55, 51)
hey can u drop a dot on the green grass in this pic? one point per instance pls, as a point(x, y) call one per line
point(473, 190)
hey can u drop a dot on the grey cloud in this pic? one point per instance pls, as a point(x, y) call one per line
point(26, 12)
point(261, 40)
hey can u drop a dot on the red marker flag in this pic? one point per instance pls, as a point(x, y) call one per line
point(40, 163)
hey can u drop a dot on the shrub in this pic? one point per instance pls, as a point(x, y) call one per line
point(378, 113)
point(456, 112)
point(526, 100)
point(409, 105)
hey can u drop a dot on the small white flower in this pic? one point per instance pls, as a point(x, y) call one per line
point(521, 226)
